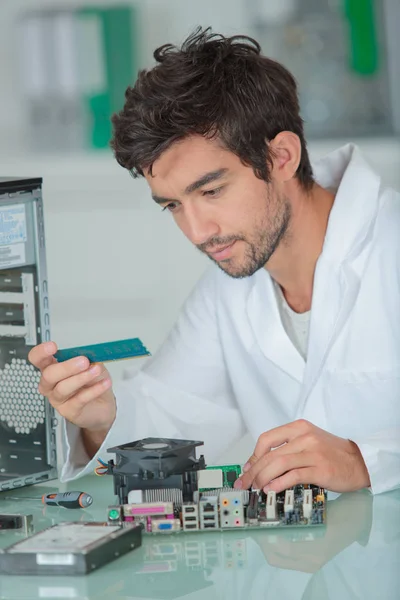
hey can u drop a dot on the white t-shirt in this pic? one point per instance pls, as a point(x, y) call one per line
point(296, 325)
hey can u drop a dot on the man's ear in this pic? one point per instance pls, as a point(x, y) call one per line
point(285, 149)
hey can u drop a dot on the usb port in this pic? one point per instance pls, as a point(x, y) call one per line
point(190, 519)
point(192, 526)
point(209, 525)
point(209, 518)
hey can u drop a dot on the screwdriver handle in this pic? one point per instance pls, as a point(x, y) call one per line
point(68, 499)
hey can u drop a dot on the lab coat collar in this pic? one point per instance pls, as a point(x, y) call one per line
point(356, 202)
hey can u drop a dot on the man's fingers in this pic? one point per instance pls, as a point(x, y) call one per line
point(278, 436)
point(294, 477)
point(252, 461)
point(250, 474)
point(57, 372)
point(263, 447)
point(41, 356)
point(86, 395)
point(283, 464)
point(67, 388)
point(274, 465)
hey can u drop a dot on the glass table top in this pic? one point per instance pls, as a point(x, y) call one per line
point(355, 556)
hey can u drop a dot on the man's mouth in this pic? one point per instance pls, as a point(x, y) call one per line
point(221, 253)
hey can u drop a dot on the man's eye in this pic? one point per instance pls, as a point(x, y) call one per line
point(171, 206)
point(212, 193)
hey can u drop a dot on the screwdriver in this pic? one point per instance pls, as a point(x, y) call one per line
point(68, 499)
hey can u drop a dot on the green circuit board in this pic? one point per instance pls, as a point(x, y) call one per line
point(229, 474)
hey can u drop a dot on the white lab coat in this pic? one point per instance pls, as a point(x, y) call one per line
point(228, 366)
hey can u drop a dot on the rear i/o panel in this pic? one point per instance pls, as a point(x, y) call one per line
point(303, 506)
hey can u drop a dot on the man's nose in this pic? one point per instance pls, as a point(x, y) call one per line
point(199, 227)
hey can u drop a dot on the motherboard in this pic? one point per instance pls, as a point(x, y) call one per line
point(162, 486)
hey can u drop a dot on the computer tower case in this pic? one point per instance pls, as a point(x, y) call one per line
point(27, 421)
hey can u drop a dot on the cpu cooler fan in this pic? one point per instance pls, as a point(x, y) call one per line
point(156, 465)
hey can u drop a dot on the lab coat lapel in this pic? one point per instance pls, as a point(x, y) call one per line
point(336, 280)
point(265, 320)
point(334, 295)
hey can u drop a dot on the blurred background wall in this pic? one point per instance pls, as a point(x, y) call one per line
point(117, 266)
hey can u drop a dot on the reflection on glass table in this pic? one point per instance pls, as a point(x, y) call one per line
point(354, 557)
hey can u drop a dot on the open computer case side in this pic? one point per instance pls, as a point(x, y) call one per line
point(27, 421)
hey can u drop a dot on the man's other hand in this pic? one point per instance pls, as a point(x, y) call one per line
point(299, 453)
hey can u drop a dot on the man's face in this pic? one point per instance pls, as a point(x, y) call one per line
point(232, 216)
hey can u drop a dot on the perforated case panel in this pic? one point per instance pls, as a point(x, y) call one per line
point(27, 434)
point(22, 408)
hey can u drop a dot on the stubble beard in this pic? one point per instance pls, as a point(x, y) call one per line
point(258, 250)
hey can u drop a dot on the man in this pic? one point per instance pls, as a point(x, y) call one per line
point(294, 333)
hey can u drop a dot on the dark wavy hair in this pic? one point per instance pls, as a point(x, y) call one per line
point(218, 87)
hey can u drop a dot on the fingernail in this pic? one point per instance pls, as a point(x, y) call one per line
point(238, 484)
point(267, 488)
point(49, 347)
point(246, 467)
point(81, 362)
point(95, 370)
